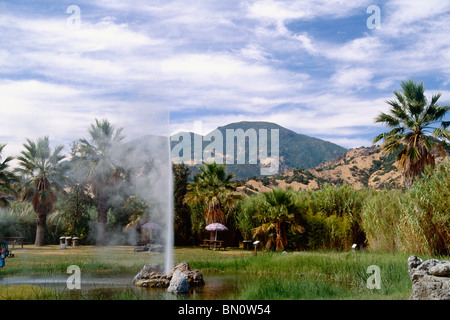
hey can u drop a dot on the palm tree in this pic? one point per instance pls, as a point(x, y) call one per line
point(277, 217)
point(417, 129)
point(97, 162)
point(7, 179)
point(215, 188)
point(45, 174)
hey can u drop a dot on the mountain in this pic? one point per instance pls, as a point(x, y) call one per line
point(295, 150)
point(361, 167)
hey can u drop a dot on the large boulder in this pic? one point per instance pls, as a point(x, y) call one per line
point(179, 282)
point(430, 278)
point(153, 276)
point(195, 277)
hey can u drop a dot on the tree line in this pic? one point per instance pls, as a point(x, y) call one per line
point(93, 175)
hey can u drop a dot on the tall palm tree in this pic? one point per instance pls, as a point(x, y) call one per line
point(44, 173)
point(215, 188)
point(417, 129)
point(97, 162)
point(277, 217)
point(7, 179)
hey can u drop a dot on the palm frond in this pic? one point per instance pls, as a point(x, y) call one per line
point(389, 120)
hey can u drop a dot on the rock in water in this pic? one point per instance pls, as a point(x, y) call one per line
point(195, 278)
point(153, 276)
point(431, 279)
point(179, 282)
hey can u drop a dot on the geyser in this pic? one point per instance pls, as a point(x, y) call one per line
point(151, 156)
point(169, 236)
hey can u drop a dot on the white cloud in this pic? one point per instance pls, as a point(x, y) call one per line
point(275, 10)
point(404, 17)
point(255, 52)
point(57, 80)
point(367, 49)
point(224, 81)
point(352, 78)
point(301, 9)
point(349, 142)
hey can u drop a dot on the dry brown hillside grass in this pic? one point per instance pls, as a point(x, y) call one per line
point(361, 167)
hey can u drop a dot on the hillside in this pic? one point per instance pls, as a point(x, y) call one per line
point(361, 167)
point(296, 150)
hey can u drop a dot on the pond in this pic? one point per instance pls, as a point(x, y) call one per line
point(95, 286)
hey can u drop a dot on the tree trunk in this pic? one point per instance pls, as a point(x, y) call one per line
point(102, 211)
point(279, 240)
point(40, 229)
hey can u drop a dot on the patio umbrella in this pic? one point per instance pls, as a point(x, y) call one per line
point(216, 227)
point(151, 226)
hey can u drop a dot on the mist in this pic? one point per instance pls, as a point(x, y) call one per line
point(139, 169)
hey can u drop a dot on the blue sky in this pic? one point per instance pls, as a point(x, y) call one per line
point(311, 66)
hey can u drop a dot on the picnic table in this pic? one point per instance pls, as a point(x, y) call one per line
point(12, 240)
point(213, 244)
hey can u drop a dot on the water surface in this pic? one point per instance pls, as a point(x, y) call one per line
point(217, 286)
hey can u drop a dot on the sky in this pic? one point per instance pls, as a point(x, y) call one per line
point(156, 67)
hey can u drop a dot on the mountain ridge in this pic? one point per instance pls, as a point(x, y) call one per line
point(295, 150)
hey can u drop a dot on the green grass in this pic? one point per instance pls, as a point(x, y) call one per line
point(29, 292)
point(327, 275)
point(314, 275)
point(269, 275)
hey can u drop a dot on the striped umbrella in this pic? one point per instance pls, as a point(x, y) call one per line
point(216, 227)
point(151, 226)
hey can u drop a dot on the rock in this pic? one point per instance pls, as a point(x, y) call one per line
point(179, 282)
point(431, 279)
point(414, 262)
point(195, 278)
point(141, 249)
point(441, 269)
point(150, 247)
point(153, 283)
point(156, 248)
point(149, 271)
point(153, 276)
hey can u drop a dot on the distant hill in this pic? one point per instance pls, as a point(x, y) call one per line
point(361, 167)
point(295, 150)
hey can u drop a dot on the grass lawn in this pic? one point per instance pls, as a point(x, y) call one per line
point(302, 275)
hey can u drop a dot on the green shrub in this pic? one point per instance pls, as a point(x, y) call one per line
point(245, 215)
point(19, 220)
point(333, 218)
point(380, 215)
point(416, 220)
point(424, 225)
